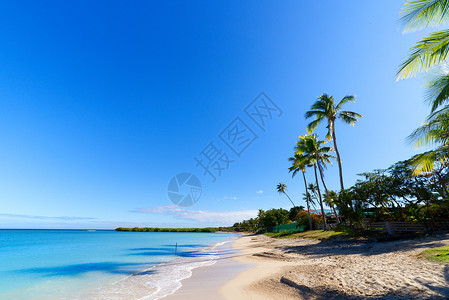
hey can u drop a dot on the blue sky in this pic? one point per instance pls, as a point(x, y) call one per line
point(102, 103)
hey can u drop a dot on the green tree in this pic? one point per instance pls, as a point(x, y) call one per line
point(273, 217)
point(282, 189)
point(294, 211)
point(326, 109)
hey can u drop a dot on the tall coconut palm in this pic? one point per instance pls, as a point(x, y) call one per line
point(282, 189)
point(310, 147)
point(326, 109)
point(299, 163)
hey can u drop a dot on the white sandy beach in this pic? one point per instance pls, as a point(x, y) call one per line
point(310, 269)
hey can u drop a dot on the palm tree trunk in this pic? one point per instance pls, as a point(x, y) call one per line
point(290, 199)
point(319, 195)
point(338, 155)
point(327, 193)
point(307, 195)
point(340, 170)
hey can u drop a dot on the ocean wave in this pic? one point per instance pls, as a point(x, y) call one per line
point(158, 281)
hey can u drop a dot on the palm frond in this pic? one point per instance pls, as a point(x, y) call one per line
point(434, 131)
point(425, 162)
point(350, 98)
point(429, 52)
point(326, 159)
point(315, 113)
point(418, 14)
point(324, 149)
point(329, 131)
point(437, 90)
point(313, 125)
point(349, 117)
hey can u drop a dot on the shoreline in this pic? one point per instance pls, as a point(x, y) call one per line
point(163, 279)
point(287, 269)
point(205, 282)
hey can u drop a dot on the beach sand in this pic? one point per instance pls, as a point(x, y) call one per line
point(309, 269)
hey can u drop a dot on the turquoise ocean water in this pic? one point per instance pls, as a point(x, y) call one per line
point(81, 264)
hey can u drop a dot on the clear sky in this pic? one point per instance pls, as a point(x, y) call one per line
point(103, 102)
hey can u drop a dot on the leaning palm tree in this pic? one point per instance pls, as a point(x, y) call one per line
point(299, 163)
point(282, 189)
point(310, 147)
point(326, 109)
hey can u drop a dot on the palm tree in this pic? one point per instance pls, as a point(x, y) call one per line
point(325, 109)
point(282, 189)
point(330, 200)
point(310, 147)
point(311, 197)
point(432, 50)
point(299, 163)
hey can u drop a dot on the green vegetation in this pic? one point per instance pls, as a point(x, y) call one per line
point(432, 50)
point(440, 254)
point(273, 217)
point(311, 234)
point(150, 229)
point(396, 194)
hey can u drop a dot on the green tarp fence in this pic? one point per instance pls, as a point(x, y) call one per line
point(292, 227)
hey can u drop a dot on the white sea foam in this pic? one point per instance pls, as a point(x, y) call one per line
point(159, 281)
